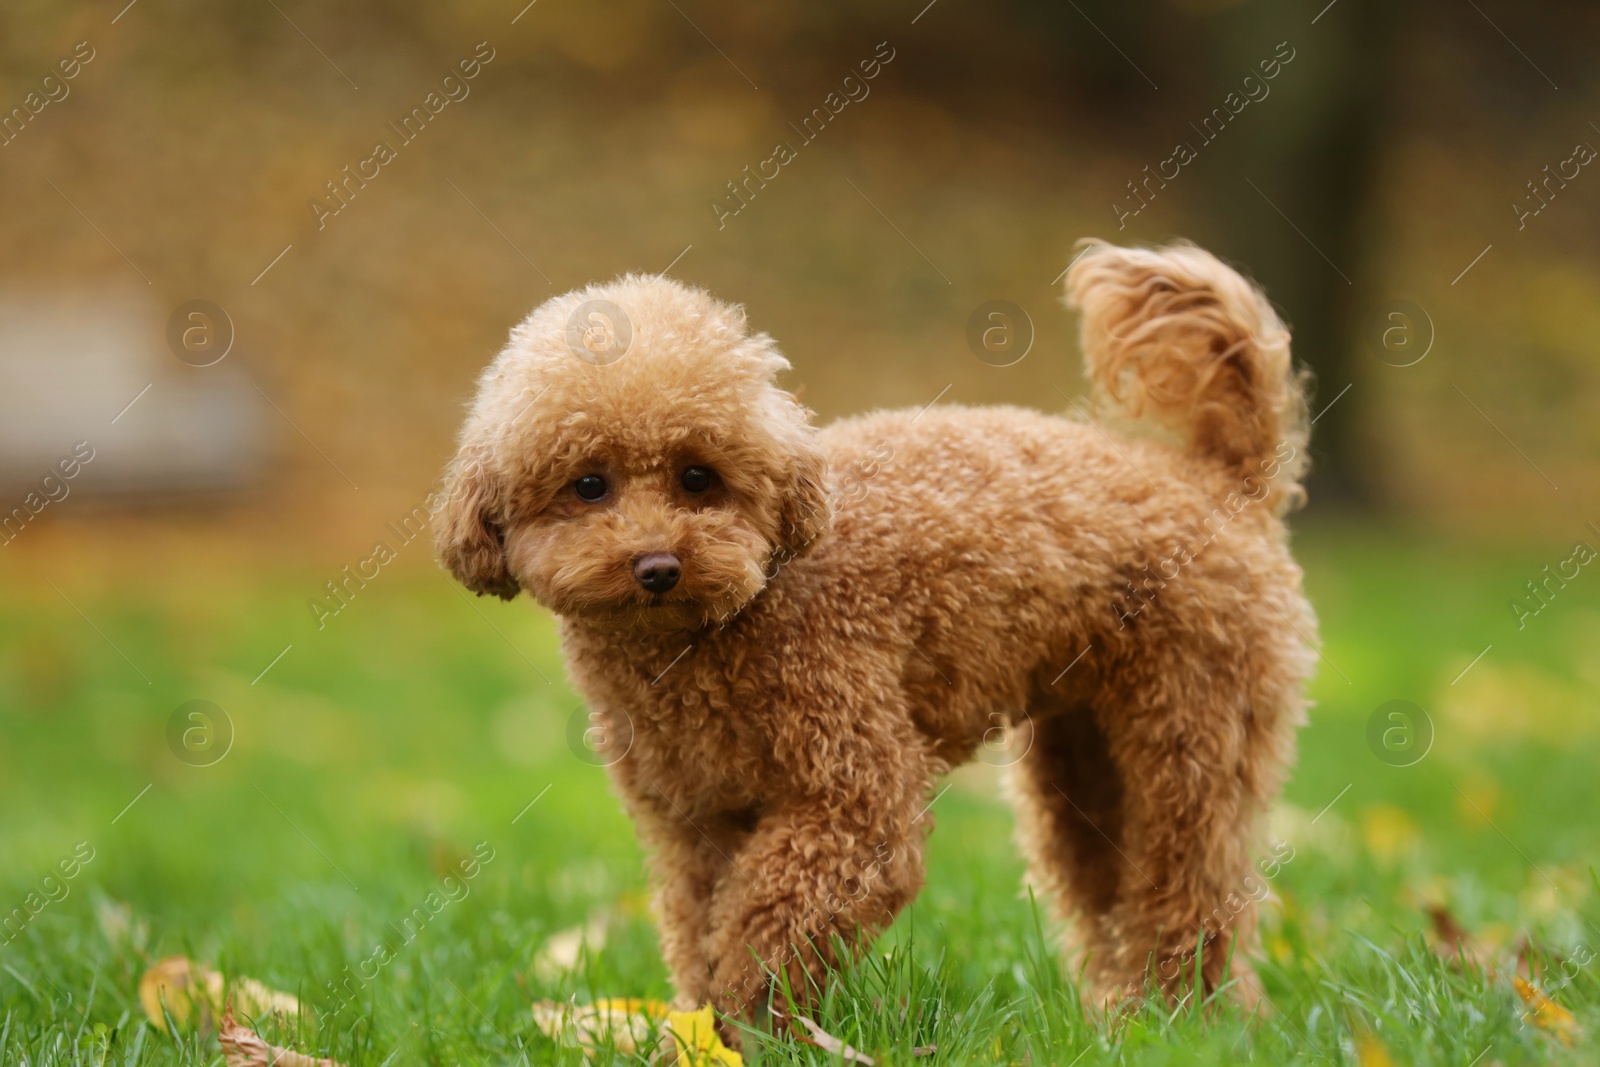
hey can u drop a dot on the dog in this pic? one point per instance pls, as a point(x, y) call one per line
point(799, 630)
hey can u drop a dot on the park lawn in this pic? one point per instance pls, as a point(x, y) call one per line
point(415, 728)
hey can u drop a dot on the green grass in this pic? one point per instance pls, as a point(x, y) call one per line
point(380, 750)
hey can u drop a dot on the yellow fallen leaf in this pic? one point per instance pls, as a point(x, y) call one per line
point(1370, 1052)
point(635, 1025)
point(655, 1009)
point(189, 990)
point(243, 1047)
point(699, 1044)
point(166, 984)
point(1546, 1013)
point(627, 1024)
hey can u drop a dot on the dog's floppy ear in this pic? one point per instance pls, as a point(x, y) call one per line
point(806, 511)
point(465, 531)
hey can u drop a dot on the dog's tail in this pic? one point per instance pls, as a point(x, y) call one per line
point(1178, 336)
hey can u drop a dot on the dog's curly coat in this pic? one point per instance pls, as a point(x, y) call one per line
point(823, 658)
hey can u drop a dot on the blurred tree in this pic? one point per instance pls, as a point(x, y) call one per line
point(1295, 201)
point(1287, 190)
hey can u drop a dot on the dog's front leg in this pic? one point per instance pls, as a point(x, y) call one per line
point(814, 882)
point(686, 864)
point(687, 872)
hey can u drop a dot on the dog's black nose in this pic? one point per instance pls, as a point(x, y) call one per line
point(657, 571)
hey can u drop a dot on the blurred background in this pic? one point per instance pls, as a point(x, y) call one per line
point(1392, 147)
point(253, 255)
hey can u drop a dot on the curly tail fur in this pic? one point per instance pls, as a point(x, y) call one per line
point(1176, 335)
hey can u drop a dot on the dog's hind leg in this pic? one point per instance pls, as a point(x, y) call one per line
point(1068, 798)
point(1201, 750)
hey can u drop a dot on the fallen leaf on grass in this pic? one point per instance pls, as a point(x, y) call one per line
point(1489, 952)
point(1546, 1013)
point(827, 1042)
point(1449, 932)
point(1454, 942)
point(699, 1044)
point(1370, 1052)
point(627, 1024)
point(187, 989)
point(633, 1025)
point(243, 1047)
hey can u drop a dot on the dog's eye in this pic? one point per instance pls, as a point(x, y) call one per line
point(590, 487)
point(696, 479)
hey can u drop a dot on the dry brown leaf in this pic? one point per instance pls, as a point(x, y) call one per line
point(1453, 942)
point(1450, 933)
point(192, 991)
point(1490, 954)
point(243, 1047)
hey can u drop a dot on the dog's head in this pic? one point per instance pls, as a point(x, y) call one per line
point(630, 461)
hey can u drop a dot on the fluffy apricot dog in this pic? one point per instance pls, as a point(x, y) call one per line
point(794, 632)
